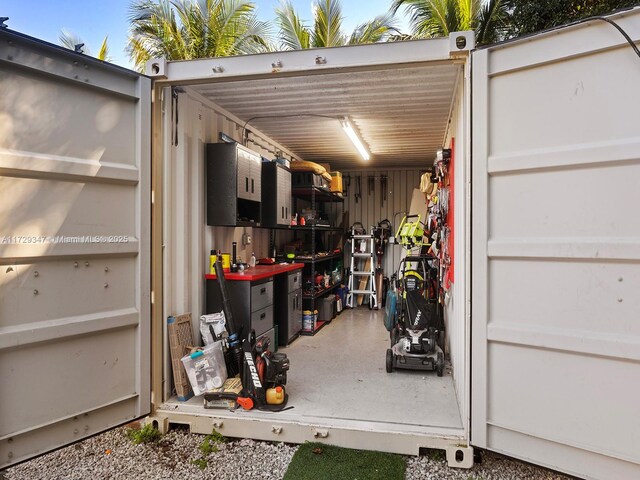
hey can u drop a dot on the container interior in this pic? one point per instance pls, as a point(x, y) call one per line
point(338, 375)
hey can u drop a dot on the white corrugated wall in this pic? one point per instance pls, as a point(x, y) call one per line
point(187, 238)
point(372, 206)
point(457, 299)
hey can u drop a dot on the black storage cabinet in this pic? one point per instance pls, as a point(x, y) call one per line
point(234, 185)
point(287, 304)
point(276, 195)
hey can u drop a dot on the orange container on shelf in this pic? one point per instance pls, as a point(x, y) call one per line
point(336, 182)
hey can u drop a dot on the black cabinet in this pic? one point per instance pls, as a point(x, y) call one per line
point(276, 195)
point(288, 306)
point(251, 304)
point(234, 185)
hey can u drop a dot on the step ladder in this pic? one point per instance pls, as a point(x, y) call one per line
point(362, 281)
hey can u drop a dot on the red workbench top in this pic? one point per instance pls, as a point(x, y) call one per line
point(259, 272)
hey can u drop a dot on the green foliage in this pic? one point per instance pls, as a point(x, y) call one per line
point(294, 35)
point(210, 443)
point(438, 18)
point(146, 434)
point(201, 463)
point(436, 455)
point(70, 40)
point(188, 29)
point(316, 461)
point(208, 446)
point(326, 30)
point(528, 16)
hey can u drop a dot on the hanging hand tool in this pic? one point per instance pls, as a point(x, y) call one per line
point(383, 190)
point(357, 195)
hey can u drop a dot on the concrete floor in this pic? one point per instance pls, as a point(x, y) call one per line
point(339, 374)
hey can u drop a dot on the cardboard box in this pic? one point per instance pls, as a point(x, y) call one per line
point(231, 385)
point(336, 182)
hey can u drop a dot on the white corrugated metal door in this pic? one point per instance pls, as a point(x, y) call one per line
point(74, 246)
point(556, 249)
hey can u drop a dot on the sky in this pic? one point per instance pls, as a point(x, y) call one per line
point(92, 20)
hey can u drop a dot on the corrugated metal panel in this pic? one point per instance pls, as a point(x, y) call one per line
point(187, 239)
point(372, 207)
point(401, 113)
point(556, 249)
point(457, 299)
point(74, 247)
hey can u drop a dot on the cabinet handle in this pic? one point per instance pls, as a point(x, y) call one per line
point(263, 290)
point(295, 279)
point(252, 185)
point(262, 316)
point(246, 184)
point(282, 212)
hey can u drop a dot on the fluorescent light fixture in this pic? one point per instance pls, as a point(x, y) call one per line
point(355, 138)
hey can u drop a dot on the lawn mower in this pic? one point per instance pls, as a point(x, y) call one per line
point(414, 315)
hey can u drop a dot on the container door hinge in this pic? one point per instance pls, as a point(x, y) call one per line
point(459, 456)
point(153, 197)
point(153, 298)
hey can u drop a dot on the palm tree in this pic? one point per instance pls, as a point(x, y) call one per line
point(187, 29)
point(438, 18)
point(327, 27)
point(70, 41)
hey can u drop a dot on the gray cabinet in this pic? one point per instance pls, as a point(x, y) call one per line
point(276, 195)
point(288, 306)
point(251, 303)
point(234, 185)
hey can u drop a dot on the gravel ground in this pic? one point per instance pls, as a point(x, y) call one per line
point(112, 455)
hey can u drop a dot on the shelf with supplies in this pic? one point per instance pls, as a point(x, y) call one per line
point(317, 258)
point(320, 194)
point(318, 327)
point(320, 293)
point(318, 228)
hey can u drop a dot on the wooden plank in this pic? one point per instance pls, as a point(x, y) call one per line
point(362, 285)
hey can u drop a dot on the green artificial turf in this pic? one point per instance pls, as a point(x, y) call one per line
point(316, 461)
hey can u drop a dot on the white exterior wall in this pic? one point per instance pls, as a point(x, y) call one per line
point(457, 313)
point(74, 247)
point(556, 249)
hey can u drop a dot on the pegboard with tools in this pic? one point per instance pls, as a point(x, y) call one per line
point(437, 187)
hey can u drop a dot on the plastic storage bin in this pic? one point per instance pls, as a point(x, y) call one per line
point(206, 369)
point(326, 309)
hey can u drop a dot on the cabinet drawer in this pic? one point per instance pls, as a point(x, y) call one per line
point(262, 320)
point(295, 281)
point(261, 296)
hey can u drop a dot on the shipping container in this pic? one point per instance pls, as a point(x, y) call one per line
point(103, 188)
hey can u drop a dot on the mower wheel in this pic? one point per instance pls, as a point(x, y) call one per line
point(389, 361)
point(440, 364)
point(441, 339)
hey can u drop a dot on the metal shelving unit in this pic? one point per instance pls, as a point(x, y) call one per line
point(315, 195)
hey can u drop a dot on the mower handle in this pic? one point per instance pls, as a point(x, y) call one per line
point(417, 258)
